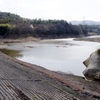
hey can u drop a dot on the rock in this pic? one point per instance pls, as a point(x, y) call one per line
point(92, 64)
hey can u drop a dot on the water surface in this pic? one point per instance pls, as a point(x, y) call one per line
point(63, 55)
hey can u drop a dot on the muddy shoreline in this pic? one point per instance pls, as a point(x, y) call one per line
point(28, 39)
point(24, 81)
point(94, 39)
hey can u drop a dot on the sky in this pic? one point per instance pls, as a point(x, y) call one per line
point(53, 9)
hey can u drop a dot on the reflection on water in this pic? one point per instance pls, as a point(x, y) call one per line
point(12, 53)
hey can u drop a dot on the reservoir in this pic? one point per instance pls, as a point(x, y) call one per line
point(65, 55)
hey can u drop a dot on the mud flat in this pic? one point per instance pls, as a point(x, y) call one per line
point(23, 81)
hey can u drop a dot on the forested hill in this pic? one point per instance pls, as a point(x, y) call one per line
point(13, 26)
point(9, 18)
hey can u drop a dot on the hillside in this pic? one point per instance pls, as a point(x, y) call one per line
point(13, 26)
point(85, 22)
point(9, 18)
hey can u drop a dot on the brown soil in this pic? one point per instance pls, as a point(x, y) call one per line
point(5, 41)
point(23, 81)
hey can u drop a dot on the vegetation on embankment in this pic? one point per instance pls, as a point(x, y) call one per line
point(14, 26)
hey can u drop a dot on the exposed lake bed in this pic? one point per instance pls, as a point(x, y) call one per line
point(65, 55)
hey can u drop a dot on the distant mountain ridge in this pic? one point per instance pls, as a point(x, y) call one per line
point(84, 22)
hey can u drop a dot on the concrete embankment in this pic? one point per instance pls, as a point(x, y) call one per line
point(23, 81)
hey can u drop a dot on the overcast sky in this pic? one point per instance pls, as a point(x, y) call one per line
point(53, 9)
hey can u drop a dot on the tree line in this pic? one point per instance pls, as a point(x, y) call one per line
point(14, 26)
point(94, 29)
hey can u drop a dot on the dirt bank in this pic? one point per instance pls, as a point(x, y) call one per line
point(23, 81)
point(93, 39)
point(5, 41)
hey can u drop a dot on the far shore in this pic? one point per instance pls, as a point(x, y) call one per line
point(5, 41)
point(28, 39)
point(93, 39)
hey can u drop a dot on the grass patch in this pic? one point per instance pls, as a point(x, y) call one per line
point(12, 53)
point(98, 51)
